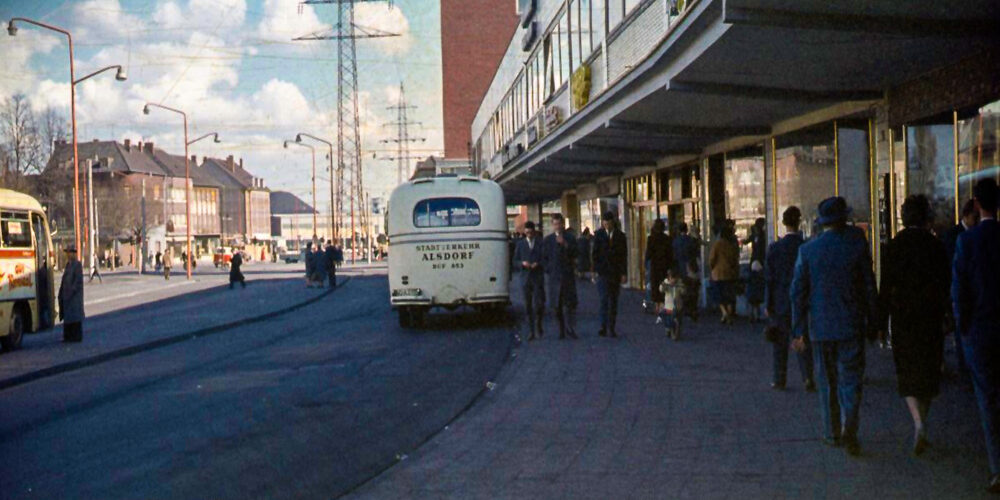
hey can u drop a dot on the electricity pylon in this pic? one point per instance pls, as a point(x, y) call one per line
point(348, 129)
point(403, 138)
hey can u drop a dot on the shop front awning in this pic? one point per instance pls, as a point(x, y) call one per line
point(735, 68)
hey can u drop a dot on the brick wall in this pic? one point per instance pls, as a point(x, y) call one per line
point(474, 36)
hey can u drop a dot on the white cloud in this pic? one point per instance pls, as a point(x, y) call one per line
point(19, 75)
point(284, 20)
point(282, 104)
point(102, 19)
point(379, 16)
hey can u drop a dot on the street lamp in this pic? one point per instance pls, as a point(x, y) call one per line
point(91, 203)
point(215, 139)
point(187, 176)
point(12, 31)
point(334, 215)
point(311, 148)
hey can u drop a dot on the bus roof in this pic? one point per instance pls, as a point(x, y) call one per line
point(14, 200)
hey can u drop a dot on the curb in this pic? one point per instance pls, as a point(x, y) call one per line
point(156, 344)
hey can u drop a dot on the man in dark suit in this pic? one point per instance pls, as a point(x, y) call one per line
point(969, 219)
point(975, 293)
point(610, 264)
point(528, 257)
point(778, 271)
point(558, 255)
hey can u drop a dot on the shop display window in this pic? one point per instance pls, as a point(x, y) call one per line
point(745, 192)
point(930, 170)
point(978, 155)
point(805, 173)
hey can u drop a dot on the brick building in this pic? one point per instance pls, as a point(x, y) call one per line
point(474, 36)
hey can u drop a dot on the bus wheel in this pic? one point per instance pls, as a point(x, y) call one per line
point(13, 339)
point(417, 316)
point(405, 317)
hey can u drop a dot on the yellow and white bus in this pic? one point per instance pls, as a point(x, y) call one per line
point(27, 288)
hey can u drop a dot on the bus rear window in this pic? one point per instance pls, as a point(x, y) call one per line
point(446, 212)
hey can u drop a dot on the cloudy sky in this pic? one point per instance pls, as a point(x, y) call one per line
point(232, 66)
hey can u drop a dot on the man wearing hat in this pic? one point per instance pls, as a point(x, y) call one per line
point(71, 298)
point(528, 258)
point(833, 301)
point(975, 293)
point(778, 271)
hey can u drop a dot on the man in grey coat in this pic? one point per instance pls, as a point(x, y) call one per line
point(71, 298)
point(833, 300)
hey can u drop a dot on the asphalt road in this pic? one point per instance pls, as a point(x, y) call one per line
point(306, 405)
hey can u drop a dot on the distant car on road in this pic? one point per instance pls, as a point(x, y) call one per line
point(289, 256)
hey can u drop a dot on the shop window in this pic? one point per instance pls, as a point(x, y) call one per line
point(597, 22)
point(930, 170)
point(805, 173)
point(745, 202)
point(616, 11)
point(586, 30)
point(978, 154)
point(564, 48)
point(630, 5)
point(854, 170)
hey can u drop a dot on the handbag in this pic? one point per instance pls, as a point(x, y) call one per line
point(772, 333)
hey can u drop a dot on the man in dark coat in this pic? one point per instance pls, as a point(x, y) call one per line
point(685, 250)
point(611, 265)
point(235, 275)
point(320, 270)
point(833, 300)
point(778, 271)
point(583, 263)
point(975, 294)
point(558, 256)
point(528, 258)
point(310, 259)
point(71, 298)
point(969, 219)
point(331, 263)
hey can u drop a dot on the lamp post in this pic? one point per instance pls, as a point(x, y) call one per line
point(334, 216)
point(187, 177)
point(91, 203)
point(313, 149)
point(12, 31)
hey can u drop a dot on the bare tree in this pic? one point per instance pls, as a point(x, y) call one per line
point(20, 140)
point(54, 127)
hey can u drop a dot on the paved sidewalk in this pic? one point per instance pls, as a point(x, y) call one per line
point(645, 417)
point(188, 307)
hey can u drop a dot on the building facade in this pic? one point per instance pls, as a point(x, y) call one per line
point(706, 110)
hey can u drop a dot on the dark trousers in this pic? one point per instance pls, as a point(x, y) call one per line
point(534, 302)
point(982, 356)
point(562, 298)
point(780, 350)
point(608, 288)
point(73, 332)
point(333, 276)
point(840, 369)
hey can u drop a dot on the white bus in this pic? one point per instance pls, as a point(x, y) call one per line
point(27, 298)
point(447, 246)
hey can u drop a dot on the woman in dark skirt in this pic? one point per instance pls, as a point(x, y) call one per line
point(914, 299)
point(659, 255)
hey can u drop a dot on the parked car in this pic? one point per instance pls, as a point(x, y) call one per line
point(289, 256)
point(222, 258)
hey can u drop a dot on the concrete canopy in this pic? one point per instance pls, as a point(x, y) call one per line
point(732, 69)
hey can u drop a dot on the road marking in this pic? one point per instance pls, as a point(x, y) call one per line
point(140, 292)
